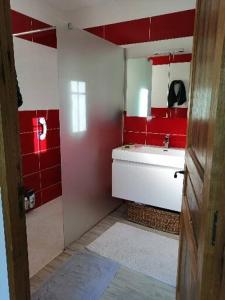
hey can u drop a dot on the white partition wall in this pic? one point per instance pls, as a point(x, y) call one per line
point(36, 67)
point(91, 74)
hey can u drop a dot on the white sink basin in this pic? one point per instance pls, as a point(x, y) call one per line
point(151, 155)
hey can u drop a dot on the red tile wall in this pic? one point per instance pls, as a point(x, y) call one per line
point(171, 26)
point(41, 161)
point(146, 131)
point(167, 59)
point(137, 124)
point(98, 30)
point(135, 31)
point(168, 26)
point(23, 23)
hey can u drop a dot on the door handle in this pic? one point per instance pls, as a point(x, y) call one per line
point(178, 172)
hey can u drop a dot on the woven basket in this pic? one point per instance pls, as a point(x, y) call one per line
point(156, 218)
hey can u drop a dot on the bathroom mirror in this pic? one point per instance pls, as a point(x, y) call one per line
point(158, 80)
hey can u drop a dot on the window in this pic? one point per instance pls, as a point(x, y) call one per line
point(78, 91)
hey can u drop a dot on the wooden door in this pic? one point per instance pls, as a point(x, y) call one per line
point(10, 171)
point(201, 255)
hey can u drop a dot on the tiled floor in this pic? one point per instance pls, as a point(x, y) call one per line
point(127, 284)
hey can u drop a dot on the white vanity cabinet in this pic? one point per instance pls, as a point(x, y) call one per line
point(145, 175)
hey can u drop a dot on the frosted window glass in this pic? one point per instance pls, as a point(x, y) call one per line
point(74, 86)
point(78, 89)
point(75, 115)
point(82, 113)
point(82, 87)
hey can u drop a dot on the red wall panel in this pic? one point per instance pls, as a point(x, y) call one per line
point(30, 163)
point(178, 112)
point(179, 58)
point(52, 139)
point(160, 60)
point(155, 139)
point(51, 192)
point(164, 121)
point(27, 143)
point(137, 124)
point(167, 126)
point(50, 158)
point(46, 38)
point(171, 26)
point(135, 31)
point(50, 176)
point(166, 59)
point(26, 120)
point(22, 23)
point(175, 112)
point(98, 30)
point(32, 181)
point(174, 25)
point(177, 141)
point(134, 138)
point(168, 26)
point(38, 196)
point(53, 118)
point(36, 24)
point(159, 112)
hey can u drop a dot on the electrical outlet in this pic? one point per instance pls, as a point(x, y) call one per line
point(29, 199)
point(26, 203)
point(32, 200)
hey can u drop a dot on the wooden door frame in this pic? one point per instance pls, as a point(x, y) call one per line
point(210, 269)
point(10, 166)
point(213, 225)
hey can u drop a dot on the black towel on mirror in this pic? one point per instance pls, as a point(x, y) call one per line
point(180, 96)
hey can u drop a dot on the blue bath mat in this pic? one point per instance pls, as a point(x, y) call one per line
point(84, 277)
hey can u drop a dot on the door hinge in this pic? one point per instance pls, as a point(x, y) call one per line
point(214, 228)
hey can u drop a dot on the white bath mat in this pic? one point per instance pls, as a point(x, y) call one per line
point(149, 253)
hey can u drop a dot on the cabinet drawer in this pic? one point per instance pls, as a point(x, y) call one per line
point(147, 184)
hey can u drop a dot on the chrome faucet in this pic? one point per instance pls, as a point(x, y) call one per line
point(166, 141)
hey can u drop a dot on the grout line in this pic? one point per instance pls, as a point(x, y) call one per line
point(50, 186)
point(158, 133)
point(41, 170)
point(39, 161)
point(44, 151)
point(35, 131)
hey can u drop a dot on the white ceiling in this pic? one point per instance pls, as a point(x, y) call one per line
point(68, 5)
point(87, 13)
